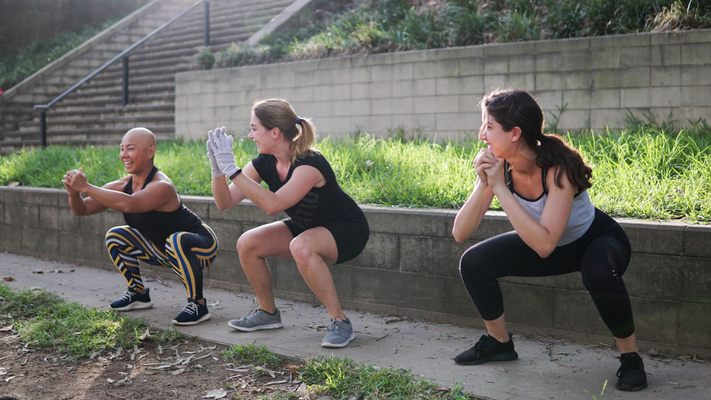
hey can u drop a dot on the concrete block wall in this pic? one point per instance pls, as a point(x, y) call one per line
point(410, 268)
point(598, 80)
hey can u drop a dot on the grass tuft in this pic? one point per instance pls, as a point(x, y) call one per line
point(252, 354)
point(343, 378)
point(44, 320)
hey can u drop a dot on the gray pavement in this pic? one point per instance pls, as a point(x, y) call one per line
point(546, 369)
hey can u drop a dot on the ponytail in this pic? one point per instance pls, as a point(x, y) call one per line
point(512, 108)
point(299, 132)
point(302, 144)
point(554, 152)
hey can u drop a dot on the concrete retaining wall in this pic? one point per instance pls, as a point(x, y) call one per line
point(436, 91)
point(410, 268)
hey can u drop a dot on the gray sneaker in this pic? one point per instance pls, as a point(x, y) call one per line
point(340, 333)
point(257, 319)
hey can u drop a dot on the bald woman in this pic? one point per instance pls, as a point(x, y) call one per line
point(159, 229)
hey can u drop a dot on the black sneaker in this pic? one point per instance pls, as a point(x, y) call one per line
point(487, 349)
point(132, 300)
point(193, 313)
point(631, 373)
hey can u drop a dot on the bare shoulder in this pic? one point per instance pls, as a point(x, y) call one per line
point(118, 184)
point(561, 174)
point(163, 186)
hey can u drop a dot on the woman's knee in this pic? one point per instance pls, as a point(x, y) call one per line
point(604, 263)
point(472, 264)
point(116, 230)
point(247, 243)
point(300, 251)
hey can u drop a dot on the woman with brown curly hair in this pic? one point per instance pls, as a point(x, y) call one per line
point(541, 184)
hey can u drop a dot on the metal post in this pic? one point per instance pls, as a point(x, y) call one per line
point(125, 82)
point(207, 24)
point(43, 128)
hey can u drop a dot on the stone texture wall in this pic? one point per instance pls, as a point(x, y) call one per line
point(410, 267)
point(598, 80)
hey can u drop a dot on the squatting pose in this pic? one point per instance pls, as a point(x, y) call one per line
point(325, 226)
point(542, 185)
point(159, 229)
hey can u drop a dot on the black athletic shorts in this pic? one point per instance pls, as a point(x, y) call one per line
point(351, 236)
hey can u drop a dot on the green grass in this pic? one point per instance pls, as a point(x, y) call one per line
point(645, 171)
point(376, 26)
point(252, 354)
point(44, 320)
point(342, 378)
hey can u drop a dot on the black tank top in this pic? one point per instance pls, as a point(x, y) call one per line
point(156, 226)
point(328, 203)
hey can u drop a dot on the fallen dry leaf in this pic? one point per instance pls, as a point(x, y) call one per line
point(145, 335)
point(215, 394)
point(6, 328)
point(9, 279)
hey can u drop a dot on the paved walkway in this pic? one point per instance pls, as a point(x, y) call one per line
point(547, 368)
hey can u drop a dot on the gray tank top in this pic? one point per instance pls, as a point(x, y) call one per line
point(581, 216)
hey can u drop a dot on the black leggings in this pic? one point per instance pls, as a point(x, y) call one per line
point(602, 255)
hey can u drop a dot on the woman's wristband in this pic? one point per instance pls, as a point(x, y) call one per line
point(233, 176)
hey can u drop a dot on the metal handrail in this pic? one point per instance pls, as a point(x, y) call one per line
point(124, 54)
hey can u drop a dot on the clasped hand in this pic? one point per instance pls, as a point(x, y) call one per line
point(219, 150)
point(75, 180)
point(488, 168)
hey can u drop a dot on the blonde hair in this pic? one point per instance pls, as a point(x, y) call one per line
point(300, 132)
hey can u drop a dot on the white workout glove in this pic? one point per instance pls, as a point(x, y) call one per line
point(222, 146)
point(211, 153)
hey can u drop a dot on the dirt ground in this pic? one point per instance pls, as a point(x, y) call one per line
point(187, 369)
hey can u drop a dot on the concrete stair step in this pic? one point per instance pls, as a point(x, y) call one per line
point(117, 91)
point(83, 133)
point(149, 71)
point(196, 38)
point(146, 72)
point(114, 102)
point(139, 80)
point(79, 120)
point(149, 64)
point(143, 109)
point(223, 21)
point(221, 11)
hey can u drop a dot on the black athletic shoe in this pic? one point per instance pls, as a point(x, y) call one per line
point(193, 313)
point(487, 349)
point(631, 373)
point(132, 300)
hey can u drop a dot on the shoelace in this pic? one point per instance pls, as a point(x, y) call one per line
point(481, 343)
point(335, 323)
point(191, 308)
point(128, 295)
point(629, 363)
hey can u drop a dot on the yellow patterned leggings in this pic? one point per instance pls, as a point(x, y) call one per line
point(186, 253)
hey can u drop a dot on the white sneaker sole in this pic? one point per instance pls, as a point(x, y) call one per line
point(203, 319)
point(136, 305)
point(256, 328)
point(337, 345)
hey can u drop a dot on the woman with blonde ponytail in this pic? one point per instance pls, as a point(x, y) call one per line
point(541, 183)
point(325, 226)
